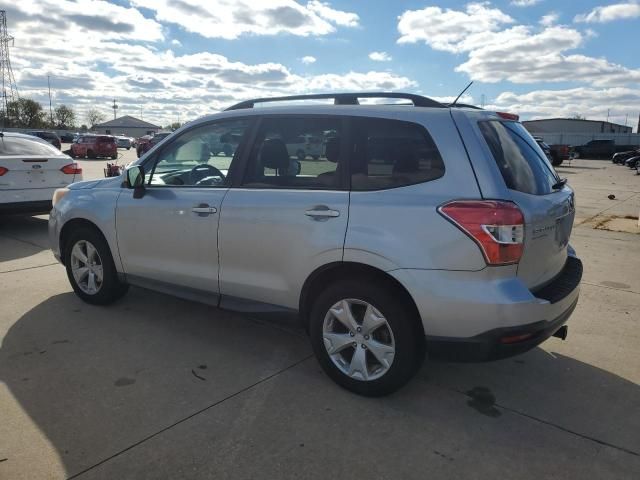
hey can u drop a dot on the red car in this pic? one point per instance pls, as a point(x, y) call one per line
point(94, 146)
point(147, 142)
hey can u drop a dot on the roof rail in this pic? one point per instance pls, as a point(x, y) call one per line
point(343, 99)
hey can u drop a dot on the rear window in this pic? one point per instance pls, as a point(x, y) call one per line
point(26, 146)
point(524, 166)
point(393, 153)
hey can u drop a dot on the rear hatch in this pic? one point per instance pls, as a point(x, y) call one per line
point(29, 164)
point(533, 184)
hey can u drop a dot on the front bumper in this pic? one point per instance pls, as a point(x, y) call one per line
point(31, 207)
point(475, 316)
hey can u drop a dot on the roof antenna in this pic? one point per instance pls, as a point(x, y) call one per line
point(461, 93)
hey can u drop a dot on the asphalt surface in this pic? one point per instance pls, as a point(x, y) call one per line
point(156, 387)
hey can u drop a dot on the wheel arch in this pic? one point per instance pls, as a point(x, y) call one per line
point(70, 226)
point(325, 274)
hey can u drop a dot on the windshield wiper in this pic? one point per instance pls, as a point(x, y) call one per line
point(559, 184)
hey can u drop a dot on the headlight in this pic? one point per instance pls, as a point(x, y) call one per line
point(58, 194)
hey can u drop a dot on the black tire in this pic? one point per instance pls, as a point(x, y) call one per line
point(111, 289)
point(402, 320)
point(114, 157)
point(90, 154)
point(301, 155)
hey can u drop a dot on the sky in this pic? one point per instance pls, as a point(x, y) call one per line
point(176, 60)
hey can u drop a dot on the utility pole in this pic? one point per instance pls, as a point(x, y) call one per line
point(9, 87)
point(608, 110)
point(115, 107)
point(50, 107)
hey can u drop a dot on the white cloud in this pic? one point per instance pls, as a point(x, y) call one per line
point(176, 42)
point(308, 59)
point(610, 13)
point(549, 19)
point(589, 102)
point(135, 64)
point(230, 19)
point(497, 51)
point(380, 56)
point(524, 3)
point(344, 19)
point(448, 29)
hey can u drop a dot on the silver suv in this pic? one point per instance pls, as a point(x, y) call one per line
point(418, 228)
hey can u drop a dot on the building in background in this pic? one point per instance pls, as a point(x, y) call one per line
point(128, 126)
point(573, 125)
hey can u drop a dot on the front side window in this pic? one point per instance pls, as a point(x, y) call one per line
point(524, 166)
point(297, 153)
point(200, 157)
point(393, 153)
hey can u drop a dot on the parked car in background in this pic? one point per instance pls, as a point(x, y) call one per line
point(147, 142)
point(620, 157)
point(632, 162)
point(30, 171)
point(51, 137)
point(595, 149)
point(123, 142)
point(95, 146)
point(545, 148)
point(559, 153)
point(66, 137)
point(422, 228)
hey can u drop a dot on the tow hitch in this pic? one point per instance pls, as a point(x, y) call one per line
point(562, 332)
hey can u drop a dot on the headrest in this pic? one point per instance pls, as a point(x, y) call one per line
point(332, 149)
point(274, 154)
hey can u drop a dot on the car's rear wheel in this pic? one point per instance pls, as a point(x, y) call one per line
point(366, 338)
point(91, 154)
point(90, 267)
point(113, 157)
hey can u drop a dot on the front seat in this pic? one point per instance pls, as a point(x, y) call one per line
point(274, 155)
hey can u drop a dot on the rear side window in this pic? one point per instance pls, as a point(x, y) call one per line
point(26, 146)
point(297, 152)
point(524, 166)
point(106, 140)
point(393, 153)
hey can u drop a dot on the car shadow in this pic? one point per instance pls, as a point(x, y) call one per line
point(26, 235)
point(96, 380)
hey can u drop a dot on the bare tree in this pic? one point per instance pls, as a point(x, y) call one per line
point(65, 116)
point(94, 116)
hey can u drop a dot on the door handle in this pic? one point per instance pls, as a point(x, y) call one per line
point(322, 212)
point(205, 209)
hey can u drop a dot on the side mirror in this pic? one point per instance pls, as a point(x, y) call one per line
point(135, 177)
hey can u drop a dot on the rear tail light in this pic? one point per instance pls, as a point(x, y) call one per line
point(3, 171)
point(508, 116)
point(496, 226)
point(71, 169)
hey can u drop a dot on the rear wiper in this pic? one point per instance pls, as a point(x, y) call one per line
point(559, 184)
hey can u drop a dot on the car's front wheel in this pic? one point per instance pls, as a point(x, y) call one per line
point(90, 267)
point(366, 338)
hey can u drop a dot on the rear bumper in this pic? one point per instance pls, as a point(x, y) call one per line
point(489, 346)
point(467, 315)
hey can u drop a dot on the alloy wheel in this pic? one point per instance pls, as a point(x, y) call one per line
point(358, 339)
point(86, 267)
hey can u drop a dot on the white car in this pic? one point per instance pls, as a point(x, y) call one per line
point(30, 171)
point(123, 142)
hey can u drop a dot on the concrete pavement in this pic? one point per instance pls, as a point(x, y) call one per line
point(156, 387)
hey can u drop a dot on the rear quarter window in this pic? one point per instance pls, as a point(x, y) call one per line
point(393, 153)
point(523, 165)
